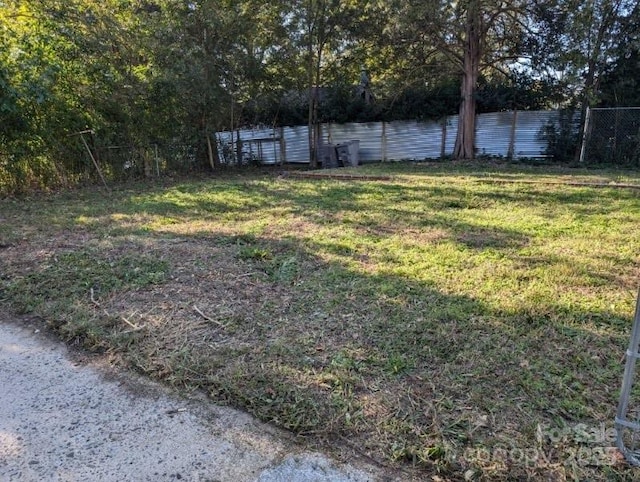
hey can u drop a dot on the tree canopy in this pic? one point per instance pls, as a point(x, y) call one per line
point(139, 72)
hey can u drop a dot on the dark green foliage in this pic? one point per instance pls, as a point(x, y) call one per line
point(613, 137)
point(340, 103)
point(171, 73)
point(562, 137)
point(520, 92)
point(424, 103)
point(621, 86)
point(13, 120)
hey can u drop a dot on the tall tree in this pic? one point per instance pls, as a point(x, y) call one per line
point(620, 84)
point(578, 40)
point(327, 34)
point(474, 36)
point(315, 25)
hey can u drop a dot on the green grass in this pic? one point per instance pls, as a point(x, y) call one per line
point(437, 320)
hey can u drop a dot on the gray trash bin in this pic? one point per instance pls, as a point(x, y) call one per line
point(348, 153)
point(327, 156)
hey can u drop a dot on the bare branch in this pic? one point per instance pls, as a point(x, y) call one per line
point(197, 310)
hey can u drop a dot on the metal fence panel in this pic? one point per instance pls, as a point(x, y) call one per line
point(296, 140)
point(493, 133)
point(452, 133)
point(412, 140)
point(369, 134)
point(260, 145)
point(528, 142)
point(398, 140)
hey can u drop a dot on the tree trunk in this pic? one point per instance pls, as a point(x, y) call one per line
point(608, 20)
point(313, 99)
point(212, 151)
point(587, 95)
point(313, 127)
point(465, 140)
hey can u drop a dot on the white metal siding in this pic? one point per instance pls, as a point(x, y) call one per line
point(401, 140)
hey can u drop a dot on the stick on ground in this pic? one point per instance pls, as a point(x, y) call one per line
point(207, 317)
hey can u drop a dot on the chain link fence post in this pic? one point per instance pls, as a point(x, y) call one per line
point(627, 421)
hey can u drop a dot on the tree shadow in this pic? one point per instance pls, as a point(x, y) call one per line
point(323, 346)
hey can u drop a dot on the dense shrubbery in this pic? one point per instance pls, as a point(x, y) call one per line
point(562, 138)
point(341, 103)
point(171, 73)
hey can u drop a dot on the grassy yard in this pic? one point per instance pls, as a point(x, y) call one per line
point(458, 321)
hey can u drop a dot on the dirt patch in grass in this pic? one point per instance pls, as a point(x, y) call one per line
point(455, 328)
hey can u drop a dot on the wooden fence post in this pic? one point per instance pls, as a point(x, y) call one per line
point(384, 141)
point(443, 143)
point(512, 137)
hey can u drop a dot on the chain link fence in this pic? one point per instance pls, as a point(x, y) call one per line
point(95, 163)
point(612, 136)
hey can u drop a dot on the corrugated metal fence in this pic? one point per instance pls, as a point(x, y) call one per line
point(515, 134)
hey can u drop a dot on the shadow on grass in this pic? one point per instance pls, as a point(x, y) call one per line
point(400, 367)
point(321, 202)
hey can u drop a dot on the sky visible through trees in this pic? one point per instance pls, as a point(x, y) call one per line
point(138, 72)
